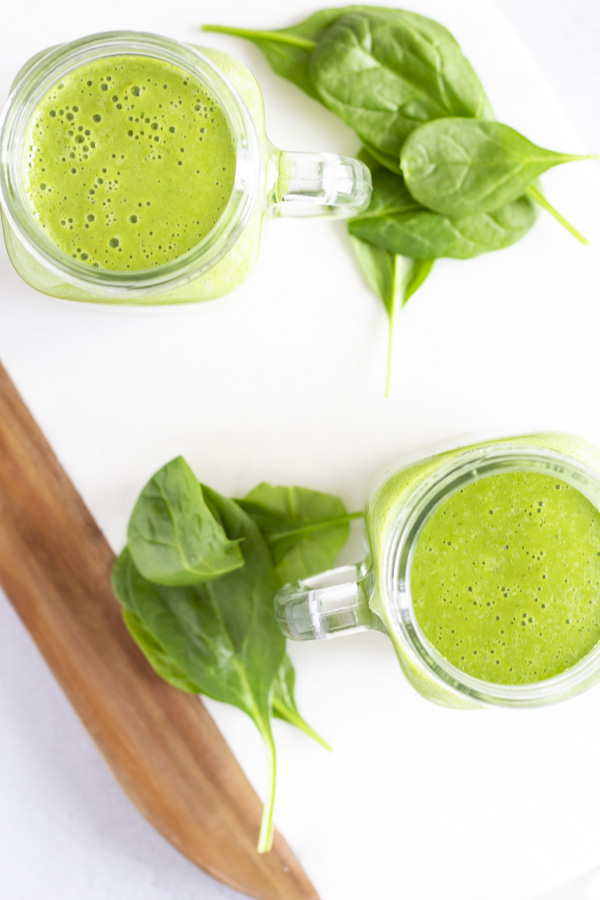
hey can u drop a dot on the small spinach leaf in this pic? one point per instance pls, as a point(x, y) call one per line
point(284, 702)
point(395, 279)
point(461, 167)
point(418, 274)
point(304, 529)
point(173, 536)
point(397, 223)
point(379, 268)
point(386, 74)
point(220, 636)
point(288, 49)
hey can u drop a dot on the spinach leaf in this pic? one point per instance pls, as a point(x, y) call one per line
point(397, 223)
point(304, 529)
point(288, 49)
point(173, 536)
point(379, 267)
point(460, 167)
point(284, 702)
point(386, 74)
point(221, 636)
point(154, 652)
point(395, 279)
point(371, 155)
point(418, 274)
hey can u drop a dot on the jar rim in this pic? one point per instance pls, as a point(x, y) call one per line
point(474, 465)
point(16, 118)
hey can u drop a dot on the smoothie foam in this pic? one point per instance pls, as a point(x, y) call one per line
point(506, 578)
point(130, 163)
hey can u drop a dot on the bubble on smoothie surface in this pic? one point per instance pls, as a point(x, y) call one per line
point(129, 163)
point(506, 578)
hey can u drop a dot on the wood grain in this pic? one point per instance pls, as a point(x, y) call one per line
point(161, 744)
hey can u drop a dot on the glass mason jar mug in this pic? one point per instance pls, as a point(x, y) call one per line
point(525, 631)
point(266, 180)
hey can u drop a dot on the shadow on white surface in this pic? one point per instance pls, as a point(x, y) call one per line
point(59, 788)
point(585, 888)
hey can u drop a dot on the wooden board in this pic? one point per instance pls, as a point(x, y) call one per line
point(161, 744)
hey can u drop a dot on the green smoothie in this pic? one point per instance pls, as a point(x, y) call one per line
point(130, 163)
point(506, 578)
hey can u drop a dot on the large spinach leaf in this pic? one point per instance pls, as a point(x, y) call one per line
point(283, 699)
point(219, 636)
point(460, 167)
point(304, 529)
point(152, 649)
point(173, 536)
point(288, 49)
point(386, 74)
point(395, 222)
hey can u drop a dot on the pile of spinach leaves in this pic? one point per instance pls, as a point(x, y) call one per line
point(448, 180)
point(197, 581)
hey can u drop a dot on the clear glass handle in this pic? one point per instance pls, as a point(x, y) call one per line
point(317, 184)
point(328, 604)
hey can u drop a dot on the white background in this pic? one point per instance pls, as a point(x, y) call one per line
point(284, 381)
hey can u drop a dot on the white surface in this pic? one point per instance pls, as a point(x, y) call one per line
point(284, 381)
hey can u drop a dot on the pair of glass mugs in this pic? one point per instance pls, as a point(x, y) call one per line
point(377, 593)
point(267, 181)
